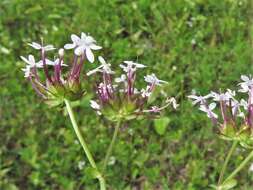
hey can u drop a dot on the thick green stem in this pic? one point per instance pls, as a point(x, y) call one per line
point(224, 167)
point(84, 145)
point(245, 161)
point(109, 150)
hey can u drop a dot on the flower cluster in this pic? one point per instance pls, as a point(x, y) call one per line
point(235, 116)
point(119, 99)
point(58, 85)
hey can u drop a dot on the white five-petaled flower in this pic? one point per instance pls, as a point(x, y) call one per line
point(153, 80)
point(246, 84)
point(131, 66)
point(103, 68)
point(39, 46)
point(83, 45)
point(199, 99)
point(31, 61)
point(223, 96)
point(208, 110)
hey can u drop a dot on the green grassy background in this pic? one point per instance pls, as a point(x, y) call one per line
point(38, 148)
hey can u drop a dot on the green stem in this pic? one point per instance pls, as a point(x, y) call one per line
point(224, 167)
point(245, 161)
point(109, 150)
point(84, 145)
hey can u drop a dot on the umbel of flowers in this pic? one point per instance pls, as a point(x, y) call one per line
point(231, 111)
point(119, 99)
point(56, 84)
point(59, 81)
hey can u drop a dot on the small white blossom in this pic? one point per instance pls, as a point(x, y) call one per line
point(27, 71)
point(208, 110)
point(81, 165)
point(39, 46)
point(146, 92)
point(94, 105)
point(246, 84)
point(223, 96)
point(244, 104)
point(152, 79)
point(31, 61)
point(173, 102)
point(193, 42)
point(83, 45)
point(120, 79)
point(131, 66)
point(111, 161)
point(198, 99)
point(103, 68)
point(61, 52)
point(52, 63)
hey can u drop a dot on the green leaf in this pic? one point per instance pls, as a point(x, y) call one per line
point(228, 184)
point(161, 125)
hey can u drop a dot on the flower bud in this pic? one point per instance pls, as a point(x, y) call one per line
point(61, 52)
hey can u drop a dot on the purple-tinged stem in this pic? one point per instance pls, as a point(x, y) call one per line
point(36, 89)
point(223, 112)
point(43, 56)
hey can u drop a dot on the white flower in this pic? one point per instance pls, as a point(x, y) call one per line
point(199, 99)
point(61, 52)
point(31, 61)
point(244, 104)
point(209, 109)
point(111, 161)
point(131, 66)
point(246, 84)
point(52, 63)
point(38, 46)
point(173, 101)
point(83, 45)
point(104, 67)
point(146, 92)
point(120, 79)
point(152, 79)
point(27, 71)
point(94, 105)
point(81, 164)
point(223, 96)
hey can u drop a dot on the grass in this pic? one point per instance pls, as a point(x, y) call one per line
point(193, 44)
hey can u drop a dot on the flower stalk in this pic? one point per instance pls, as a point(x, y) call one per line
point(84, 145)
point(241, 166)
point(109, 151)
point(224, 167)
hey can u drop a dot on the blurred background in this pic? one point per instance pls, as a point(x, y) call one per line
point(198, 45)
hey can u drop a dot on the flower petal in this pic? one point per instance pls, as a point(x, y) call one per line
point(49, 47)
point(24, 59)
point(83, 35)
point(95, 47)
point(69, 46)
point(245, 78)
point(35, 45)
point(75, 38)
point(89, 55)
